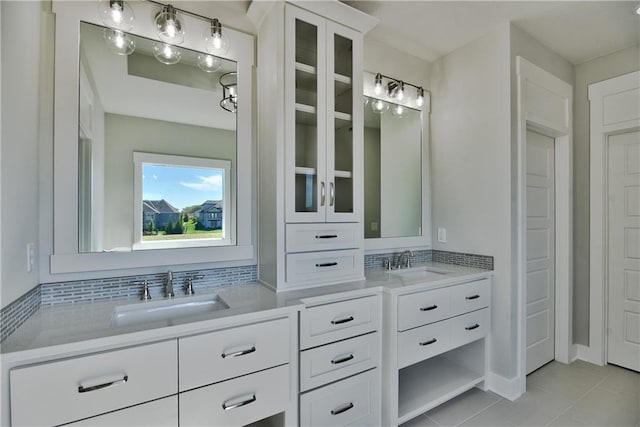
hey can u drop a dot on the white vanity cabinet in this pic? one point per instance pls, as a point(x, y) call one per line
point(340, 363)
point(310, 142)
point(72, 389)
point(437, 346)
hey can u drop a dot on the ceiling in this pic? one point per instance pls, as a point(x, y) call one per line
point(577, 30)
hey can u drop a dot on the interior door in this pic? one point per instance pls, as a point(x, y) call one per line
point(624, 250)
point(540, 250)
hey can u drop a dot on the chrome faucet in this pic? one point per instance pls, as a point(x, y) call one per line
point(168, 288)
point(188, 289)
point(405, 255)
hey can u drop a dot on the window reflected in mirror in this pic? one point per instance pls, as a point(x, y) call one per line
point(143, 122)
point(392, 170)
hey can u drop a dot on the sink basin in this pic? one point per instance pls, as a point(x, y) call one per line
point(419, 272)
point(166, 309)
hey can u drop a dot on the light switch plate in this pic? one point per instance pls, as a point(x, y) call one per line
point(442, 235)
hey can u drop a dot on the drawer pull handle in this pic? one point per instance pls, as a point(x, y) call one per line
point(343, 320)
point(472, 327)
point(339, 411)
point(239, 353)
point(226, 407)
point(431, 341)
point(476, 296)
point(327, 236)
point(431, 307)
point(327, 264)
point(342, 359)
point(85, 389)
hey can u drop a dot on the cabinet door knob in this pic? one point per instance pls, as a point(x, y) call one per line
point(431, 307)
point(345, 408)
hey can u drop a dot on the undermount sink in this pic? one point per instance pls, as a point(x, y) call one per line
point(166, 309)
point(419, 272)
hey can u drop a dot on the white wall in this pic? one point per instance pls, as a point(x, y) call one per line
point(603, 68)
point(21, 34)
point(471, 171)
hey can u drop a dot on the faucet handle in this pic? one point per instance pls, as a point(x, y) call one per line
point(145, 289)
point(387, 263)
point(188, 290)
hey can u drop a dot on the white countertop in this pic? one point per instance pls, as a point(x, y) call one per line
point(70, 329)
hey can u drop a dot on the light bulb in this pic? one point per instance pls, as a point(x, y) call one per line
point(213, 41)
point(169, 26)
point(400, 92)
point(420, 97)
point(208, 63)
point(116, 14)
point(379, 106)
point(377, 89)
point(118, 42)
point(166, 53)
point(398, 111)
point(636, 9)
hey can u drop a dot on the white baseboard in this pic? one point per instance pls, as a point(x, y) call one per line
point(505, 387)
point(586, 353)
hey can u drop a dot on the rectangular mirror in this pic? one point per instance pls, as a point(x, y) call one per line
point(157, 147)
point(393, 173)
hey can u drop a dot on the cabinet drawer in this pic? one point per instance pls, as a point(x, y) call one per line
point(159, 413)
point(423, 307)
point(318, 267)
point(322, 237)
point(354, 401)
point(237, 402)
point(422, 343)
point(470, 296)
point(229, 353)
point(469, 327)
point(81, 387)
point(322, 365)
point(332, 322)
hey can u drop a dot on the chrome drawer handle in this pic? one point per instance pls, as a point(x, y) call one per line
point(471, 328)
point(239, 353)
point(83, 389)
point(327, 264)
point(476, 296)
point(226, 407)
point(431, 341)
point(339, 411)
point(327, 236)
point(431, 307)
point(342, 360)
point(340, 321)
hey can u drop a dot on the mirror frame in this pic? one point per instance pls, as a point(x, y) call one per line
point(65, 257)
point(384, 244)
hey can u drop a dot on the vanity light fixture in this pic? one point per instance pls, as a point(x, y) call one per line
point(420, 97)
point(229, 83)
point(166, 53)
point(208, 63)
point(213, 40)
point(118, 41)
point(168, 25)
point(116, 14)
point(377, 88)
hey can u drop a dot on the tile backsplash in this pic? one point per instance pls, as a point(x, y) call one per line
point(72, 292)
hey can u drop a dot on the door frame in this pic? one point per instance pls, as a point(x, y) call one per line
point(608, 94)
point(545, 105)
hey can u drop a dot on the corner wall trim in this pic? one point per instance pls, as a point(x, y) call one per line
point(509, 388)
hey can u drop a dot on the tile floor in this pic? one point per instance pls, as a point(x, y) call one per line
point(579, 394)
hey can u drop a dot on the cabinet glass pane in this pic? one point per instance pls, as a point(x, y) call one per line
point(306, 136)
point(343, 124)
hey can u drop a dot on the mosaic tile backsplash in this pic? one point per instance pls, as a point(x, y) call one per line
point(72, 292)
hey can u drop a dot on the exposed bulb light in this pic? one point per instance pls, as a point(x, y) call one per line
point(377, 88)
point(118, 42)
point(400, 91)
point(379, 106)
point(398, 111)
point(420, 97)
point(116, 14)
point(636, 9)
point(168, 25)
point(166, 53)
point(208, 63)
point(213, 41)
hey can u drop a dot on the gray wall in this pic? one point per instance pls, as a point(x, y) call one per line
point(603, 68)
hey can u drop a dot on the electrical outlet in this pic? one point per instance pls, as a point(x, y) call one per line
point(31, 256)
point(442, 235)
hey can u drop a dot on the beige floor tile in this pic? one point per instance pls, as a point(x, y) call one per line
point(420, 421)
point(602, 407)
point(566, 380)
point(463, 407)
point(622, 381)
point(565, 420)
